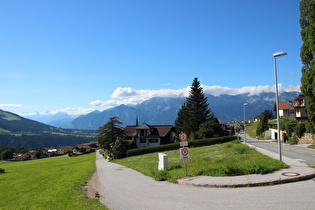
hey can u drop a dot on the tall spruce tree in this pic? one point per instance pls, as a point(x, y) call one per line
point(195, 111)
point(307, 53)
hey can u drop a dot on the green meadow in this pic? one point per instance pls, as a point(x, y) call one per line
point(50, 183)
point(228, 159)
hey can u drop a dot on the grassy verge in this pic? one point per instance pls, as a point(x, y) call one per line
point(311, 146)
point(50, 183)
point(228, 159)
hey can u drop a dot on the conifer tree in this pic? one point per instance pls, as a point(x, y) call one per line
point(109, 132)
point(194, 112)
point(307, 53)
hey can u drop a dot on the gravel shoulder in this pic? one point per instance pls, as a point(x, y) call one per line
point(90, 189)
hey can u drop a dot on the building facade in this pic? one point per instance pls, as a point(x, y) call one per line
point(147, 135)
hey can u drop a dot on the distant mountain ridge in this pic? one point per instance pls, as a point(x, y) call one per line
point(163, 110)
point(17, 132)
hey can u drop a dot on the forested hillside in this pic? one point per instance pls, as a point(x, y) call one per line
point(17, 132)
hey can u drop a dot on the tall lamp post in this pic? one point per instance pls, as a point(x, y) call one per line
point(277, 100)
point(246, 104)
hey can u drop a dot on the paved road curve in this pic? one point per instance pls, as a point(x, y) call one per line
point(296, 152)
point(123, 188)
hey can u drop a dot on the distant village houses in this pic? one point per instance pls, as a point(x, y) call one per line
point(292, 110)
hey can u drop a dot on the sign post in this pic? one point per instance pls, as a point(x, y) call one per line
point(184, 154)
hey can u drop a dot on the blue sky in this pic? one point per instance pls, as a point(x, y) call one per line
point(77, 56)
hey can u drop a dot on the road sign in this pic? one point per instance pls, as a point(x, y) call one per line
point(183, 136)
point(183, 143)
point(184, 153)
point(185, 161)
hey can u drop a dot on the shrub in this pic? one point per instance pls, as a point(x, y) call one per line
point(174, 146)
point(2, 170)
point(293, 140)
point(6, 155)
point(300, 129)
point(160, 175)
point(288, 125)
point(309, 126)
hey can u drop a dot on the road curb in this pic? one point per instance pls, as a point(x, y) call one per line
point(189, 181)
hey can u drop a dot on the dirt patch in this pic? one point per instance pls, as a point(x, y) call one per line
point(90, 189)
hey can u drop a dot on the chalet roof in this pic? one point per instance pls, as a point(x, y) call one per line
point(130, 131)
point(285, 106)
point(300, 97)
point(163, 129)
point(19, 155)
point(144, 126)
point(83, 146)
point(157, 130)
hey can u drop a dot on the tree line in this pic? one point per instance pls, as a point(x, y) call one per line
point(194, 118)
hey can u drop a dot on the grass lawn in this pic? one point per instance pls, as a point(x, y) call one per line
point(251, 129)
point(311, 146)
point(228, 159)
point(50, 183)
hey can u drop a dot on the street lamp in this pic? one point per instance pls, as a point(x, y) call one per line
point(277, 100)
point(246, 104)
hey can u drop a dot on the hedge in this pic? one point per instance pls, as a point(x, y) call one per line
point(173, 146)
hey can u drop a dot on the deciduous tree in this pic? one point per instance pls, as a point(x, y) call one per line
point(6, 155)
point(307, 53)
point(265, 116)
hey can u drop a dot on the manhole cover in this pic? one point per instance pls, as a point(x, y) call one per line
point(290, 174)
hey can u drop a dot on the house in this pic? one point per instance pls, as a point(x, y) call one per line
point(82, 147)
point(21, 156)
point(147, 135)
point(286, 110)
point(292, 110)
point(300, 111)
point(51, 152)
point(64, 150)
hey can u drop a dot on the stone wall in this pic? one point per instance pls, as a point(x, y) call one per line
point(308, 138)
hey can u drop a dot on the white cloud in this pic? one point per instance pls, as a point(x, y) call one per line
point(129, 96)
point(10, 105)
point(70, 111)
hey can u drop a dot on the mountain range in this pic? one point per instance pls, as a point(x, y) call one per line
point(17, 132)
point(163, 110)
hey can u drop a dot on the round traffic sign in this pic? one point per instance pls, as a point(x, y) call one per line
point(183, 136)
point(184, 151)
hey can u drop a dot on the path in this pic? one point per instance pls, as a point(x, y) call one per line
point(124, 188)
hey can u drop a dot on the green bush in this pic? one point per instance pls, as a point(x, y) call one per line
point(300, 129)
point(2, 170)
point(293, 140)
point(309, 126)
point(288, 125)
point(160, 175)
point(6, 155)
point(174, 146)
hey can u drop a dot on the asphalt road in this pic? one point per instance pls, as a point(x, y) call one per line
point(123, 188)
point(297, 152)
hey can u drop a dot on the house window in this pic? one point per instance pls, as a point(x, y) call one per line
point(153, 141)
point(142, 132)
point(143, 141)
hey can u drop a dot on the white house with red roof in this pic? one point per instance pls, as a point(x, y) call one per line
point(148, 135)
